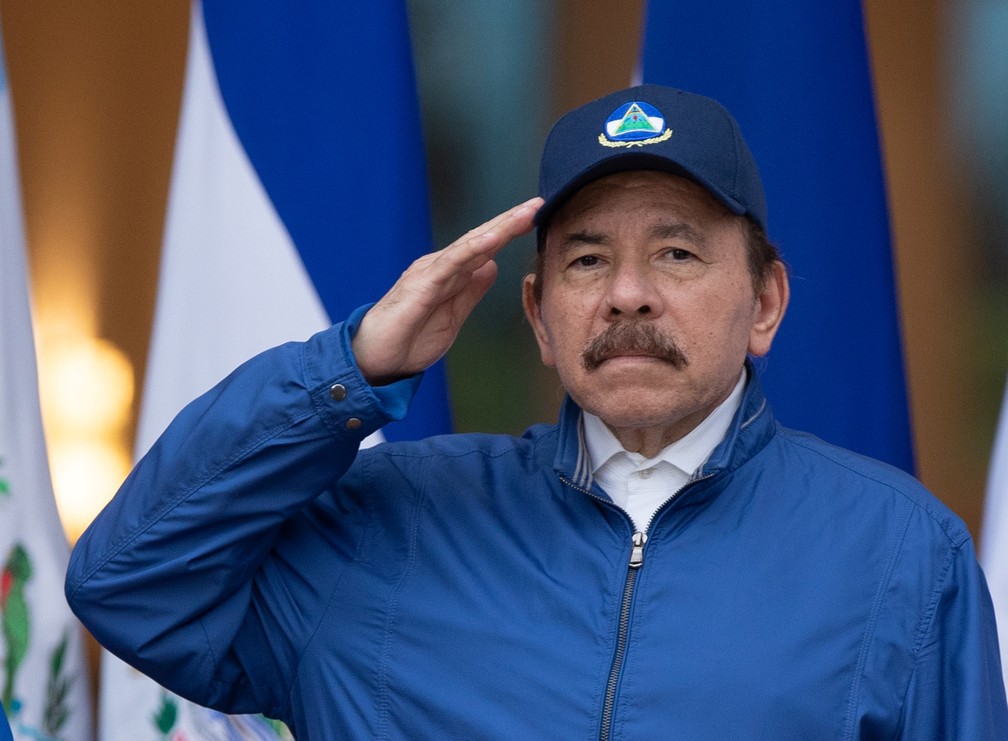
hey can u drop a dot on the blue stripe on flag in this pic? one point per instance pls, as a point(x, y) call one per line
point(323, 98)
point(796, 77)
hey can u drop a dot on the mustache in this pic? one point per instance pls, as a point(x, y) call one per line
point(633, 338)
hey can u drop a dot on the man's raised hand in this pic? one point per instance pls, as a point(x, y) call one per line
point(415, 323)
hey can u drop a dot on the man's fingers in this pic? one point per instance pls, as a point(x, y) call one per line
point(474, 291)
point(418, 319)
point(482, 243)
point(515, 211)
point(440, 274)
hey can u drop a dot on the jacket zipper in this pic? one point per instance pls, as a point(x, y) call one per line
point(636, 561)
point(638, 539)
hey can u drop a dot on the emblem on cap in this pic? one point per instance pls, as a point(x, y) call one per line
point(634, 124)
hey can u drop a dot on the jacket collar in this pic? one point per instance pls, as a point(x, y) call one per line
point(750, 430)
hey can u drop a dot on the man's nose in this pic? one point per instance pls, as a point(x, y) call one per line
point(632, 292)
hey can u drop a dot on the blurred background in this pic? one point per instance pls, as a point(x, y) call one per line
point(96, 89)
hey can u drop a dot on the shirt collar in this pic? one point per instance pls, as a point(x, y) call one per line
point(687, 453)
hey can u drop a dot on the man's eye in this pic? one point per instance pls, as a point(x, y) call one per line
point(680, 254)
point(586, 261)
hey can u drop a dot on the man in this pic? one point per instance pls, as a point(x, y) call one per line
point(665, 562)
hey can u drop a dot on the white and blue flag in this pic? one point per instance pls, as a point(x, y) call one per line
point(299, 193)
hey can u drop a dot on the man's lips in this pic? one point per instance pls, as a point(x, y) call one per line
point(632, 356)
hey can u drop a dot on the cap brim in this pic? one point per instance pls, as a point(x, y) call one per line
point(623, 162)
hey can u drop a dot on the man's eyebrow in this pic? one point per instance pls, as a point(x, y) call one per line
point(664, 230)
point(676, 230)
point(577, 239)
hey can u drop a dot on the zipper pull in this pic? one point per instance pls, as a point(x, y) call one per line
point(637, 554)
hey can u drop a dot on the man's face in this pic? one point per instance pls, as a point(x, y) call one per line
point(648, 308)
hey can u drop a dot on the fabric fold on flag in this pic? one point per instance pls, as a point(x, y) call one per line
point(797, 78)
point(299, 192)
point(994, 532)
point(44, 681)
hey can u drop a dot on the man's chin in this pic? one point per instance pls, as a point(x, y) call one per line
point(632, 406)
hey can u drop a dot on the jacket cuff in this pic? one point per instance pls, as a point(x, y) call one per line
point(348, 405)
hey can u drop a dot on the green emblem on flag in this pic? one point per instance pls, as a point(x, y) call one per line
point(16, 623)
point(58, 686)
point(167, 715)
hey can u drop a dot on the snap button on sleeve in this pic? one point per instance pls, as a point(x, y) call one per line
point(337, 391)
point(353, 423)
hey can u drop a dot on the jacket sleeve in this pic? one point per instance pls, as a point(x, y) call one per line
point(164, 577)
point(957, 690)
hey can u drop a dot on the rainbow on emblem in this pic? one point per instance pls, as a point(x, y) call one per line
point(634, 124)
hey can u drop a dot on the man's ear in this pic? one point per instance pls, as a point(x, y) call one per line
point(771, 303)
point(533, 312)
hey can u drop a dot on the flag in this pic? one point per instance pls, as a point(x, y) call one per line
point(44, 677)
point(796, 77)
point(299, 192)
point(994, 533)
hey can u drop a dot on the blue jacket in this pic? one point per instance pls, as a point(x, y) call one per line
point(481, 586)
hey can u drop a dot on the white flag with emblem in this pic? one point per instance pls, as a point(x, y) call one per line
point(44, 678)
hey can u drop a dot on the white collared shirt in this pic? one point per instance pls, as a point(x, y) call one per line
point(641, 485)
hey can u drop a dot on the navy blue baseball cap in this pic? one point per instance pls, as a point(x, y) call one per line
point(651, 127)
